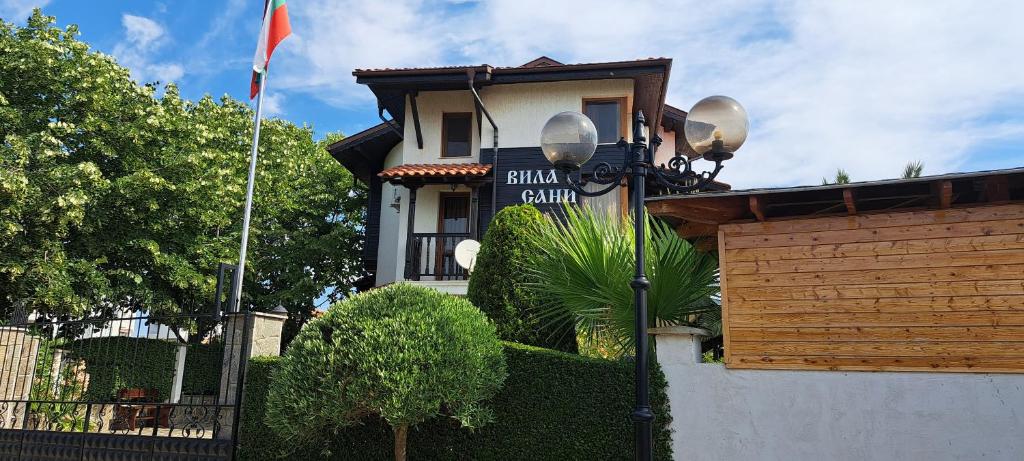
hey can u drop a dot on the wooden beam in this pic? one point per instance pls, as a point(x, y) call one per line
point(997, 189)
point(945, 192)
point(689, 230)
point(416, 118)
point(851, 202)
point(757, 207)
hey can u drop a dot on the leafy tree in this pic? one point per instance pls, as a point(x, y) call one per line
point(402, 352)
point(115, 197)
point(584, 264)
point(499, 289)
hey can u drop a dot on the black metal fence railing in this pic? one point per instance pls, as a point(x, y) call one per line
point(133, 374)
point(432, 257)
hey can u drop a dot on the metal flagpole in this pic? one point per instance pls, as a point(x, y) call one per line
point(236, 295)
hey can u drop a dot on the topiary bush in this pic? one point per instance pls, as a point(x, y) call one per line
point(498, 282)
point(554, 407)
point(404, 353)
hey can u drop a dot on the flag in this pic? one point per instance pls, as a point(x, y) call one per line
point(275, 28)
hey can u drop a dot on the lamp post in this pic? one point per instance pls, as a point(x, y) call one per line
point(715, 128)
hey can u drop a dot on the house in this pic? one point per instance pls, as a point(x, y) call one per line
point(457, 143)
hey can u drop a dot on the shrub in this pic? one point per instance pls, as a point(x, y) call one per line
point(554, 406)
point(402, 352)
point(497, 285)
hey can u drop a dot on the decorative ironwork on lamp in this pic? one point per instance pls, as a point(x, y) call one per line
point(715, 128)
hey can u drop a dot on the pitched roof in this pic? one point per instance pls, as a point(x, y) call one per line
point(435, 171)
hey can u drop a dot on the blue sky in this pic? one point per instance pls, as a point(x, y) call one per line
point(863, 85)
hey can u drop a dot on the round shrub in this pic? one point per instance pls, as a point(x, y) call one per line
point(401, 352)
point(498, 282)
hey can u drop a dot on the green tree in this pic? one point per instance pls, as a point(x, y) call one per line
point(113, 196)
point(403, 352)
point(498, 287)
point(583, 266)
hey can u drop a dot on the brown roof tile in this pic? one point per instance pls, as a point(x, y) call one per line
point(434, 170)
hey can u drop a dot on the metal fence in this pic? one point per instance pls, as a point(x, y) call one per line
point(128, 376)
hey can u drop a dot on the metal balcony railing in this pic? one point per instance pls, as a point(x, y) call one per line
point(431, 256)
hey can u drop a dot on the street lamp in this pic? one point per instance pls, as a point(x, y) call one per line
point(715, 127)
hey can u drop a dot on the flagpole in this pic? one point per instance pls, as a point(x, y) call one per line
point(236, 296)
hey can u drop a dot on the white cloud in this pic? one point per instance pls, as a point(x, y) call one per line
point(143, 38)
point(273, 104)
point(19, 10)
point(866, 86)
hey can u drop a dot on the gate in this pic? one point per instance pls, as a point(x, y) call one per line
point(128, 387)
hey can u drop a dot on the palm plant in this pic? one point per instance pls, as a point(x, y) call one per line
point(913, 170)
point(583, 265)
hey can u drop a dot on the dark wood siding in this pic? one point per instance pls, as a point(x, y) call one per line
point(373, 205)
point(531, 159)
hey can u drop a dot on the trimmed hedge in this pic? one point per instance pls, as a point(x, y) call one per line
point(498, 284)
point(119, 362)
point(203, 369)
point(554, 406)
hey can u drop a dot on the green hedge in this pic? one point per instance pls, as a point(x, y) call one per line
point(119, 362)
point(554, 406)
point(203, 369)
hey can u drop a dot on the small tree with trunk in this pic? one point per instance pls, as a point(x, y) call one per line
point(403, 353)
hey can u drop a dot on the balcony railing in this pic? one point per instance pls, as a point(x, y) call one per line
point(432, 257)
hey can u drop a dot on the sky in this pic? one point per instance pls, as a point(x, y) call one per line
point(862, 85)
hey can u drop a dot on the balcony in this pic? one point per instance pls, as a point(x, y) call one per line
point(431, 256)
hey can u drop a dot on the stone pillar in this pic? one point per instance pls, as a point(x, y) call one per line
point(679, 345)
point(246, 334)
point(17, 370)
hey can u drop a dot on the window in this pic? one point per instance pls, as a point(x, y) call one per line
point(456, 135)
point(607, 117)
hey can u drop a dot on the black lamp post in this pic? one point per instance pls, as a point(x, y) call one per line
point(715, 128)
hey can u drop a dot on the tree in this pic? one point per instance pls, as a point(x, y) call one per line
point(501, 293)
point(403, 352)
point(112, 197)
point(583, 265)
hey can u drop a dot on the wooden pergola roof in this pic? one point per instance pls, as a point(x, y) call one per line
point(698, 216)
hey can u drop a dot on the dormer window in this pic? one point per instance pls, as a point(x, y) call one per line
point(456, 134)
point(608, 116)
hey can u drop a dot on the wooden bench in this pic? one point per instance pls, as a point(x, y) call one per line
point(137, 408)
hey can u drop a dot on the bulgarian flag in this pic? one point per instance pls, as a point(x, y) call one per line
point(275, 28)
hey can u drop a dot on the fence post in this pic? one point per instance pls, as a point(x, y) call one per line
point(17, 372)
point(678, 345)
point(246, 334)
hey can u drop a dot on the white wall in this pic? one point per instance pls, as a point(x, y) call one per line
point(431, 106)
point(391, 246)
point(520, 110)
point(722, 414)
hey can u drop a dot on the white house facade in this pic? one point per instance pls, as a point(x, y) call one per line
point(456, 143)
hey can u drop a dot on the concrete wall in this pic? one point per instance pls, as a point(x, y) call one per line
point(391, 243)
point(722, 414)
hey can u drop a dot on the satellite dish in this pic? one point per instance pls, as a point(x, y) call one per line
point(465, 253)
